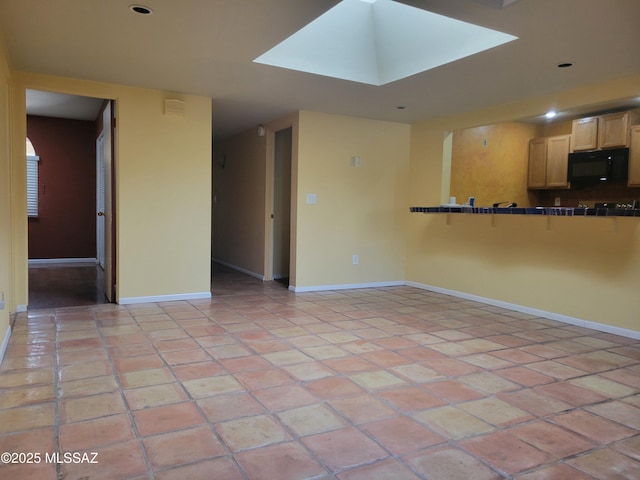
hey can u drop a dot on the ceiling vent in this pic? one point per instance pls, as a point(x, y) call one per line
point(497, 3)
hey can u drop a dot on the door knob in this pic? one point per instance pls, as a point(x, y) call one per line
point(101, 214)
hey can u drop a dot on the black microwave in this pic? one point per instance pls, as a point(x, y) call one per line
point(598, 165)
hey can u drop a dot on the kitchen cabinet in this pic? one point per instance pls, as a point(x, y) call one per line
point(558, 161)
point(634, 156)
point(548, 159)
point(584, 134)
point(613, 130)
point(603, 131)
point(537, 163)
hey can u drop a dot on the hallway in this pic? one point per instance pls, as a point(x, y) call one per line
point(67, 285)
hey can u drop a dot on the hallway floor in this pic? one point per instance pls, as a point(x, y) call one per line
point(64, 285)
point(261, 383)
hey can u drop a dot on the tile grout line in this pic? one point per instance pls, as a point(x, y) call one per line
point(57, 393)
point(129, 411)
point(527, 332)
point(211, 426)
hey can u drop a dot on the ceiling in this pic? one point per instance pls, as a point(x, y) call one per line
point(207, 47)
point(59, 105)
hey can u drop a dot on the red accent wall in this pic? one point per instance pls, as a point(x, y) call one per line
point(66, 225)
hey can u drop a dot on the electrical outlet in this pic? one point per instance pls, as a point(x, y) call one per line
point(356, 161)
point(355, 259)
point(311, 198)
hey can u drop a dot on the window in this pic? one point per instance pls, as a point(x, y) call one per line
point(32, 180)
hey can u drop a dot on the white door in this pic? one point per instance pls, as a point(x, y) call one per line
point(100, 200)
point(107, 160)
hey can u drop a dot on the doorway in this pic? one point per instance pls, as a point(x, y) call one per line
point(282, 205)
point(68, 264)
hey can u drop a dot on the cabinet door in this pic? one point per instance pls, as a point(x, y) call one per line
point(613, 130)
point(537, 163)
point(557, 161)
point(584, 134)
point(634, 157)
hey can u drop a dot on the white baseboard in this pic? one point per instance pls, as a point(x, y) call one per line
point(259, 276)
point(59, 262)
point(624, 332)
point(5, 343)
point(164, 298)
point(346, 286)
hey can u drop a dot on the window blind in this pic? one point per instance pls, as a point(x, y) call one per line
point(32, 185)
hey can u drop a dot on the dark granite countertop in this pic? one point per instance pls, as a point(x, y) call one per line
point(553, 211)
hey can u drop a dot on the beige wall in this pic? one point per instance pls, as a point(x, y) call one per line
point(359, 210)
point(586, 268)
point(163, 188)
point(6, 287)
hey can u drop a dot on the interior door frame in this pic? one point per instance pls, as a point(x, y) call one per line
point(281, 217)
point(270, 133)
point(109, 131)
point(110, 292)
point(100, 201)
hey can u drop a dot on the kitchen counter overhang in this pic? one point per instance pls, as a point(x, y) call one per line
point(550, 211)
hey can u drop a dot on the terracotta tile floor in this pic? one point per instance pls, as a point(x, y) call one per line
point(262, 383)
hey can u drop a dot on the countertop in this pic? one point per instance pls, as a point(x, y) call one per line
point(554, 211)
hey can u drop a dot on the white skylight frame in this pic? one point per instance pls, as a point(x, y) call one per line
point(379, 41)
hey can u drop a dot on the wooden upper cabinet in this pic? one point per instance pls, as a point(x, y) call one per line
point(604, 131)
point(634, 157)
point(584, 134)
point(537, 163)
point(557, 161)
point(613, 130)
point(548, 159)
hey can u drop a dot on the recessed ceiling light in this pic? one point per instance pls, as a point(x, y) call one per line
point(140, 9)
point(565, 65)
point(551, 114)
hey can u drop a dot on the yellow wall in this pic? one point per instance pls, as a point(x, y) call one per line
point(359, 210)
point(163, 188)
point(556, 128)
point(6, 288)
point(491, 163)
point(586, 268)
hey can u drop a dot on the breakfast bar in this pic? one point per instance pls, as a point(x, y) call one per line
point(553, 211)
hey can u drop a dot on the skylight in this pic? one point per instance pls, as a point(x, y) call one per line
point(379, 41)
